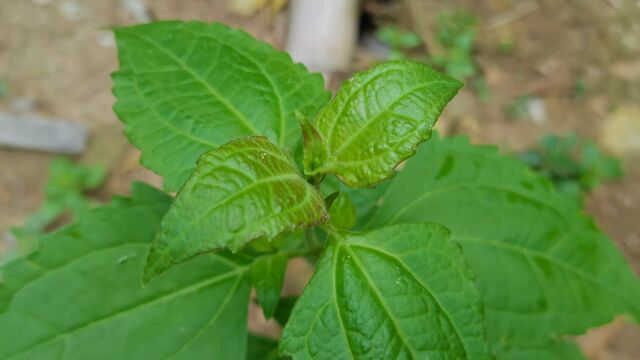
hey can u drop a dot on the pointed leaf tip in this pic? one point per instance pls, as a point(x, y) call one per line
point(173, 75)
point(564, 276)
point(376, 120)
point(85, 279)
point(376, 294)
point(244, 190)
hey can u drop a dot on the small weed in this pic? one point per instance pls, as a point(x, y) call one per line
point(518, 108)
point(63, 194)
point(574, 165)
point(4, 88)
point(579, 89)
point(482, 89)
point(456, 34)
point(397, 38)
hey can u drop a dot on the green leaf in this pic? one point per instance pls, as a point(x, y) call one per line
point(543, 268)
point(267, 274)
point(557, 350)
point(342, 211)
point(365, 201)
point(63, 194)
point(402, 291)
point(79, 296)
point(184, 88)
point(244, 190)
point(283, 311)
point(376, 120)
point(398, 39)
point(262, 348)
point(4, 88)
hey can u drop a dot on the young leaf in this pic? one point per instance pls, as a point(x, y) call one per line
point(184, 88)
point(542, 267)
point(267, 273)
point(342, 212)
point(244, 190)
point(402, 291)
point(376, 120)
point(365, 201)
point(79, 296)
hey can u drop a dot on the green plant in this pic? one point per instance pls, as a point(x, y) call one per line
point(506, 45)
point(64, 193)
point(463, 254)
point(481, 89)
point(456, 34)
point(579, 89)
point(518, 108)
point(575, 166)
point(398, 41)
point(4, 88)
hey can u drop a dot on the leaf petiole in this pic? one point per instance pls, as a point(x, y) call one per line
point(332, 230)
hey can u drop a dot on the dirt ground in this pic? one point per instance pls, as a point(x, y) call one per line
point(56, 56)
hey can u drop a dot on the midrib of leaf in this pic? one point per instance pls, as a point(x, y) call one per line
point(377, 155)
point(347, 247)
point(266, 76)
point(153, 106)
point(242, 191)
point(397, 261)
point(298, 205)
point(349, 100)
point(335, 301)
point(452, 187)
point(239, 271)
point(355, 135)
point(360, 267)
point(529, 253)
point(196, 76)
point(524, 251)
point(215, 316)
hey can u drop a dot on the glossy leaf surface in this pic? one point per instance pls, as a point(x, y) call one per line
point(542, 267)
point(399, 292)
point(80, 297)
point(377, 119)
point(244, 190)
point(184, 88)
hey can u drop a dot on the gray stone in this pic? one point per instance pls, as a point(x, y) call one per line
point(38, 133)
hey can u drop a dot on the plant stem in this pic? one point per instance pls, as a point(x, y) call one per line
point(331, 230)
